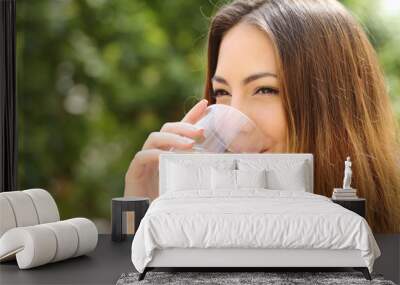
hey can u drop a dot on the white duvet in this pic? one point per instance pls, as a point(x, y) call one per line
point(252, 218)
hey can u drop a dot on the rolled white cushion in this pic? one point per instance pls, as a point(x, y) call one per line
point(33, 245)
point(45, 205)
point(67, 240)
point(40, 244)
point(7, 218)
point(23, 208)
point(87, 235)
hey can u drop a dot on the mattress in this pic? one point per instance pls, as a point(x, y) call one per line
point(250, 219)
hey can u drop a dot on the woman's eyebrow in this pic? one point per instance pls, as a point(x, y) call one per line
point(247, 80)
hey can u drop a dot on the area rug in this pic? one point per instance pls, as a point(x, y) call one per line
point(229, 278)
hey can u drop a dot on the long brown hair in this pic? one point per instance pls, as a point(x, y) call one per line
point(334, 95)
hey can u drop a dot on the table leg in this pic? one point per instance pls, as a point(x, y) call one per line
point(140, 211)
point(116, 216)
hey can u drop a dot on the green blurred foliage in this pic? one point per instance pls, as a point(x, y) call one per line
point(381, 21)
point(95, 77)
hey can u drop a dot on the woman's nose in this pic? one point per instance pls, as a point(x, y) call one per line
point(239, 103)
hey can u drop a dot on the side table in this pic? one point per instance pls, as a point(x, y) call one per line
point(356, 205)
point(139, 205)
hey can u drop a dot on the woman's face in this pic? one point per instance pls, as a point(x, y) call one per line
point(246, 78)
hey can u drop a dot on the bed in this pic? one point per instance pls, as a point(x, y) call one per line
point(247, 210)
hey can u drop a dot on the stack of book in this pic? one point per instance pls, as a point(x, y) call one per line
point(344, 194)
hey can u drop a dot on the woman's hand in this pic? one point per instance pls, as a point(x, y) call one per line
point(141, 178)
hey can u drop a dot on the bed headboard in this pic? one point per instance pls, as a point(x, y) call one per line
point(211, 158)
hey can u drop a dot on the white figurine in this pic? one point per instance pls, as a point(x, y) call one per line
point(347, 174)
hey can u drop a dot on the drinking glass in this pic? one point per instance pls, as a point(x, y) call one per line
point(226, 129)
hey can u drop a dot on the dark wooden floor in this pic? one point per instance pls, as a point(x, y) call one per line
point(389, 262)
point(110, 260)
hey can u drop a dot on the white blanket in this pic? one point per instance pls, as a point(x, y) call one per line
point(251, 218)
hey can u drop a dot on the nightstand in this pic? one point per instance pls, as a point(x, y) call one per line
point(355, 205)
point(120, 206)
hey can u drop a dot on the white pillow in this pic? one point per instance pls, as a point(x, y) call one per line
point(235, 179)
point(223, 179)
point(184, 174)
point(181, 177)
point(293, 180)
point(251, 178)
point(282, 174)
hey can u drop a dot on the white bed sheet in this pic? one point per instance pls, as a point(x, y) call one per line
point(251, 218)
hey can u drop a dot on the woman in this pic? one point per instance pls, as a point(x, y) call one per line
point(306, 73)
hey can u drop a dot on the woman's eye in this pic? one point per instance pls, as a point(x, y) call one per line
point(220, 92)
point(267, 90)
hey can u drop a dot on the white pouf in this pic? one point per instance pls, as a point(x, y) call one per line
point(46, 207)
point(40, 244)
point(67, 239)
point(7, 220)
point(31, 230)
point(23, 208)
point(33, 246)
